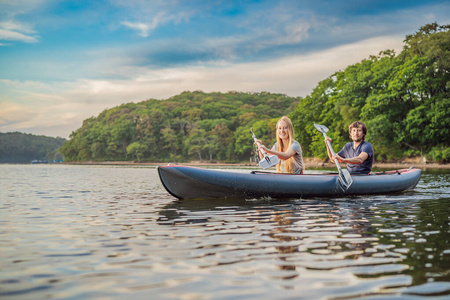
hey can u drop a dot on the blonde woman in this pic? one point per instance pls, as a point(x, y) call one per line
point(286, 148)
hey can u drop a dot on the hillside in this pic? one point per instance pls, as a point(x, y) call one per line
point(16, 147)
point(189, 126)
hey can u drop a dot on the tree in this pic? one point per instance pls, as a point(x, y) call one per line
point(196, 141)
point(170, 141)
point(135, 149)
point(222, 137)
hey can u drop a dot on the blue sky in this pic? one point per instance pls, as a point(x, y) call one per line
point(64, 61)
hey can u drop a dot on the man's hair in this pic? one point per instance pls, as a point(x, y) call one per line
point(358, 124)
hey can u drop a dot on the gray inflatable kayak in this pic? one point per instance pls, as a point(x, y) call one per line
point(186, 182)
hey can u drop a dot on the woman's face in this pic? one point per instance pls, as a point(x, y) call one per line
point(282, 130)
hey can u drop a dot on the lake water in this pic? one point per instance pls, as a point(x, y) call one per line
point(104, 232)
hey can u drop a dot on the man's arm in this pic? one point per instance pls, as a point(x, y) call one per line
point(357, 160)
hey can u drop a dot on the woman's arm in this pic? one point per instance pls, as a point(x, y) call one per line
point(282, 155)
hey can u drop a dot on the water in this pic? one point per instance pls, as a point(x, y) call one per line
point(78, 232)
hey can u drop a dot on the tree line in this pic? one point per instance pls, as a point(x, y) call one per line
point(403, 99)
point(16, 147)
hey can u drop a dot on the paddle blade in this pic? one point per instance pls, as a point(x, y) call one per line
point(321, 128)
point(268, 161)
point(344, 180)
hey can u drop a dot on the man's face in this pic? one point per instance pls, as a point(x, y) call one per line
point(357, 134)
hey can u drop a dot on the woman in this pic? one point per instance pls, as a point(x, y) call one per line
point(286, 148)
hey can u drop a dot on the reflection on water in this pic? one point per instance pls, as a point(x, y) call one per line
point(346, 247)
point(103, 232)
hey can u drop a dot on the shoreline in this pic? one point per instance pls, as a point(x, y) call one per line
point(308, 163)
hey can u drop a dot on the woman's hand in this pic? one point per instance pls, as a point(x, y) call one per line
point(260, 146)
point(265, 148)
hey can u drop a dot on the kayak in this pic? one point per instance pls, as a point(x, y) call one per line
point(185, 182)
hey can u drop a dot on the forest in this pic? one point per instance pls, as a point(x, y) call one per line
point(190, 126)
point(403, 99)
point(16, 147)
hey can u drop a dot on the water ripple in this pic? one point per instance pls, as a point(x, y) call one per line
point(114, 232)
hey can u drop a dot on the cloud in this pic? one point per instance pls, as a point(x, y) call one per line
point(145, 28)
point(33, 107)
point(257, 35)
point(60, 108)
point(277, 46)
point(15, 31)
point(152, 16)
point(9, 35)
point(141, 27)
point(12, 114)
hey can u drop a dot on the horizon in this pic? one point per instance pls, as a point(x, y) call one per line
point(64, 62)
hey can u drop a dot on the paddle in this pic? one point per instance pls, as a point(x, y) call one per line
point(344, 179)
point(267, 161)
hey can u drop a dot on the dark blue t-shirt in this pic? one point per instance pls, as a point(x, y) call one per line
point(348, 152)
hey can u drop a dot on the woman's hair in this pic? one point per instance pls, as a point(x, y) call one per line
point(358, 124)
point(282, 148)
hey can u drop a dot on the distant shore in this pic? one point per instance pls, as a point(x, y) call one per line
point(308, 162)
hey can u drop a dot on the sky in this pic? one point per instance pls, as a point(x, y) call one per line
point(62, 62)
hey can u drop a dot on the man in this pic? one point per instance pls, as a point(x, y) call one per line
point(358, 155)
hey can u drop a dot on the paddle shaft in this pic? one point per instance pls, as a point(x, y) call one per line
point(261, 149)
point(258, 143)
point(332, 153)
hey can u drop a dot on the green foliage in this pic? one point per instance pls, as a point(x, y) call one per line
point(440, 154)
point(404, 101)
point(189, 126)
point(16, 147)
point(135, 149)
